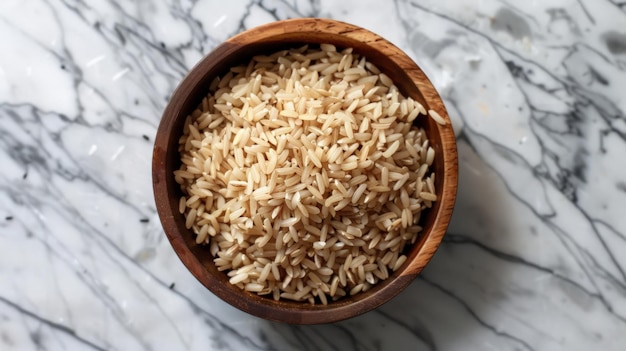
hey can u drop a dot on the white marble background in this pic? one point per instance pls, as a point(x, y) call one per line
point(535, 258)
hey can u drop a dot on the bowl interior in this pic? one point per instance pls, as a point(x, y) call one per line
point(411, 82)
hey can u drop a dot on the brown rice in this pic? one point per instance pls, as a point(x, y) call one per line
point(303, 173)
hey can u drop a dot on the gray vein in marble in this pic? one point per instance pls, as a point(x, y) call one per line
point(65, 330)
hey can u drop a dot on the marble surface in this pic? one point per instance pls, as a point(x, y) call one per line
point(535, 257)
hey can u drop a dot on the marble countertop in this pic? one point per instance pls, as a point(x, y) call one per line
point(535, 256)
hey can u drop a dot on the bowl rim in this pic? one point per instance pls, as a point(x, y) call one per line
point(388, 288)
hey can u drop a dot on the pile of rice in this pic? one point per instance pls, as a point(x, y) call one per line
point(303, 172)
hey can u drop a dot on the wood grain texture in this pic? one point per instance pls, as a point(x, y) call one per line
point(265, 39)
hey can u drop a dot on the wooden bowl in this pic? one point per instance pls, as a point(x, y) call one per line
point(266, 39)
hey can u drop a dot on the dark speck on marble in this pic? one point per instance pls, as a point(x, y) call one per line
point(36, 338)
point(508, 21)
point(615, 42)
point(597, 76)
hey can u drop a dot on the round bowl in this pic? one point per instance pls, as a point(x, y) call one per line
point(410, 80)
